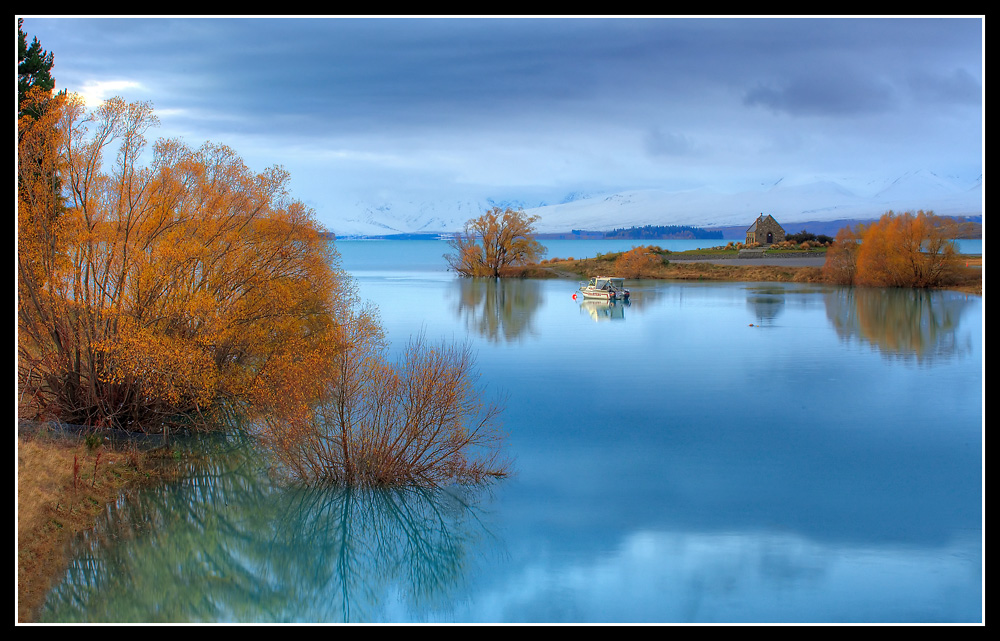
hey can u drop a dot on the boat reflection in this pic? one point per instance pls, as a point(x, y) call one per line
point(604, 310)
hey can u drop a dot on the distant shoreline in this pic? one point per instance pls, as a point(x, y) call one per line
point(728, 232)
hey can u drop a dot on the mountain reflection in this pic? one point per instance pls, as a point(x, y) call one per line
point(899, 322)
point(498, 309)
point(221, 545)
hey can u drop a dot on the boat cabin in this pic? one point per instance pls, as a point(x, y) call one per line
point(606, 287)
point(605, 282)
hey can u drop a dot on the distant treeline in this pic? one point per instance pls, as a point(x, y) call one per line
point(663, 231)
point(966, 227)
point(648, 232)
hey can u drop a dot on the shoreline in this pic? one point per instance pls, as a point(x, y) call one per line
point(63, 484)
point(774, 268)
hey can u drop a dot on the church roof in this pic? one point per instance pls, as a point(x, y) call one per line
point(761, 219)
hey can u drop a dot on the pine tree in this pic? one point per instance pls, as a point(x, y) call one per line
point(34, 66)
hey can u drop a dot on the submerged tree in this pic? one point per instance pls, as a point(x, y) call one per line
point(419, 421)
point(497, 244)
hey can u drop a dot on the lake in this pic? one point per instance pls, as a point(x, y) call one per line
point(707, 453)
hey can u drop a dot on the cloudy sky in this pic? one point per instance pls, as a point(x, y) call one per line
point(385, 110)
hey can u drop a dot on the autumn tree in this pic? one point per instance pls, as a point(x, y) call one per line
point(175, 288)
point(195, 292)
point(639, 262)
point(898, 250)
point(497, 244)
point(842, 257)
point(38, 111)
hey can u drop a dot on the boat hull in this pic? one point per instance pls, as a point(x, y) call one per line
point(603, 294)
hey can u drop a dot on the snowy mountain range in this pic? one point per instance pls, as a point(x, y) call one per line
point(789, 201)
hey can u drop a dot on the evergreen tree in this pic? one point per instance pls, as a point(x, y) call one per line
point(34, 65)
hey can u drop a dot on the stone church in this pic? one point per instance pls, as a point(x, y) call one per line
point(765, 231)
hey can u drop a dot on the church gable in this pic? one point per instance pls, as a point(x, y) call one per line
point(765, 231)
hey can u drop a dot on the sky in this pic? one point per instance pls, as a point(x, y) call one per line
point(379, 111)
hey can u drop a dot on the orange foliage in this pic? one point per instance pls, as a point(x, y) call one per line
point(41, 228)
point(497, 244)
point(193, 291)
point(637, 262)
point(842, 257)
point(898, 250)
point(170, 290)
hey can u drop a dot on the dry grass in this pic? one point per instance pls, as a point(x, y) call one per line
point(61, 488)
point(589, 267)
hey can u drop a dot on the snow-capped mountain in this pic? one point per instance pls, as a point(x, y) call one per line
point(789, 201)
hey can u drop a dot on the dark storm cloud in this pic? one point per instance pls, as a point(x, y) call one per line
point(364, 72)
point(660, 143)
point(833, 93)
point(956, 88)
point(608, 103)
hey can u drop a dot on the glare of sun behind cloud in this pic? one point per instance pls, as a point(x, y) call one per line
point(95, 92)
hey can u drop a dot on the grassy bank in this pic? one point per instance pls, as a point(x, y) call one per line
point(62, 486)
point(586, 268)
point(671, 266)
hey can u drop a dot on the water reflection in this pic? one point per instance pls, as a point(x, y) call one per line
point(500, 310)
point(225, 544)
point(604, 310)
point(857, 498)
point(766, 303)
point(902, 323)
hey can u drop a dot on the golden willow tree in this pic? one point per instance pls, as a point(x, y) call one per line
point(193, 291)
point(898, 250)
point(166, 293)
point(498, 244)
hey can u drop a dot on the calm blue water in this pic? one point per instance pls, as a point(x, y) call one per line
point(712, 452)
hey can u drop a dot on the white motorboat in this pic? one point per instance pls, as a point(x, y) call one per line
point(605, 288)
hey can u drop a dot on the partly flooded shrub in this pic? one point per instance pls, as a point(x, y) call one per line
point(419, 421)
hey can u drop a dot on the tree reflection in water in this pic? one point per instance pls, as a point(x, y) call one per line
point(766, 303)
point(227, 544)
point(900, 322)
point(498, 309)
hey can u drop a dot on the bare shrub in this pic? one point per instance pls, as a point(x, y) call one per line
point(420, 421)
